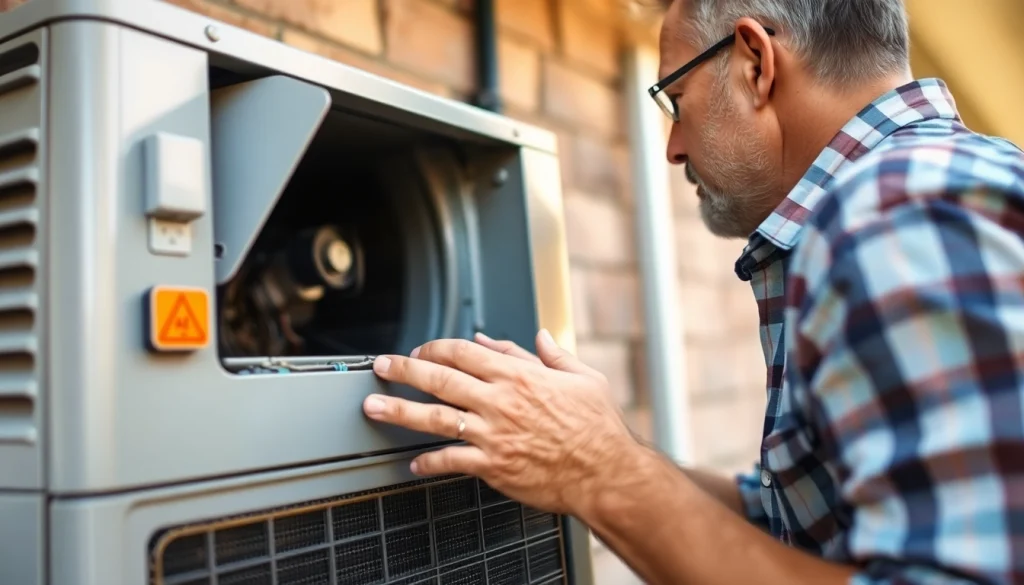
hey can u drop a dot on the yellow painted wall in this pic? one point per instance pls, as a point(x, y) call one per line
point(977, 47)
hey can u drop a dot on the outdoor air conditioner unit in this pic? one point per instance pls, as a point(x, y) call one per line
point(204, 235)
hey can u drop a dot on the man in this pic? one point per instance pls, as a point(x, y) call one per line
point(886, 256)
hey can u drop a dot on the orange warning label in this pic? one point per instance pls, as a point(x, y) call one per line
point(179, 318)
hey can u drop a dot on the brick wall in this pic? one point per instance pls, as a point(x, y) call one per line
point(560, 69)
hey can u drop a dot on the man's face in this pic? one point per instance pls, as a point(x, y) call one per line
point(727, 156)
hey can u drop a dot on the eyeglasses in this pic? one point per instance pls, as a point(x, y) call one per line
point(667, 104)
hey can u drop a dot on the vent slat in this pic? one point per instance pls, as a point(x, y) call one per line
point(17, 342)
point(16, 217)
point(27, 176)
point(25, 300)
point(15, 141)
point(20, 78)
point(20, 433)
point(15, 386)
point(23, 258)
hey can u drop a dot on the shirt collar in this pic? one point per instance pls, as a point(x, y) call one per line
point(916, 101)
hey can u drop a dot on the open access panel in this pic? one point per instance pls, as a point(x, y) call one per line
point(205, 237)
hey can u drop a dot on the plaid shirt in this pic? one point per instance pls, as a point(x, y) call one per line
point(890, 286)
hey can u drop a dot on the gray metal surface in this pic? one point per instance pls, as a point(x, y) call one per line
point(358, 90)
point(23, 247)
point(260, 130)
point(118, 412)
point(22, 539)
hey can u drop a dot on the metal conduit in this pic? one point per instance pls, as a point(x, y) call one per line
point(666, 364)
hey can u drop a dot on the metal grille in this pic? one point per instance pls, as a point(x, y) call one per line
point(21, 111)
point(450, 531)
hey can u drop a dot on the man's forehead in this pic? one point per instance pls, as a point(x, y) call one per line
point(675, 47)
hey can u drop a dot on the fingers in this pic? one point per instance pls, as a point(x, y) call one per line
point(557, 358)
point(482, 359)
point(506, 347)
point(448, 384)
point(435, 419)
point(461, 459)
point(472, 358)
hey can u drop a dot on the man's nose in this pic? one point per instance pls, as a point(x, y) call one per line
point(676, 150)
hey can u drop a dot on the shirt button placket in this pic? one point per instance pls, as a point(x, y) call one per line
point(766, 478)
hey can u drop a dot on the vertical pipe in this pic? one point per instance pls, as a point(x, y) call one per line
point(666, 366)
point(487, 96)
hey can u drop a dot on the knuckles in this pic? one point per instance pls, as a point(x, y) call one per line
point(461, 350)
point(523, 379)
point(441, 379)
point(443, 351)
point(427, 351)
point(437, 421)
point(396, 410)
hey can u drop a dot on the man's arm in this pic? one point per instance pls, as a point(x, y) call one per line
point(669, 531)
point(721, 488)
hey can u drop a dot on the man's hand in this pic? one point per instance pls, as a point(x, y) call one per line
point(541, 429)
point(544, 431)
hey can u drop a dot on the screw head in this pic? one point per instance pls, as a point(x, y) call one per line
point(500, 177)
point(212, 33)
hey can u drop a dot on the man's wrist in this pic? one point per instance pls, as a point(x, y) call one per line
point(627, 467)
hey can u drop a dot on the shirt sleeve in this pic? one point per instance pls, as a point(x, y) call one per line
point(749, 486)
point(907, 322)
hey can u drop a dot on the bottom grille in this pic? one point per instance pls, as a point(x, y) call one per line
point(449, 531)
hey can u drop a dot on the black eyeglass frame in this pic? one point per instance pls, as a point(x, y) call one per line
point(671, 78)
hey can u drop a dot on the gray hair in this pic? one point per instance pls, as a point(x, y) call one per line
point(842, 41)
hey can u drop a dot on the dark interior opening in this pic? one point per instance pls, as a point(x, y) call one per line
point(349, 262)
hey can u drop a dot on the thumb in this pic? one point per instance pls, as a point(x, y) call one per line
point(557, 358)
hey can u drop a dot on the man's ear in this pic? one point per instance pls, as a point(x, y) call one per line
point(754, 52)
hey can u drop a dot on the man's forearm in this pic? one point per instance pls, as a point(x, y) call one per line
point(723, 489)
point(720, 488)
point(669, 530)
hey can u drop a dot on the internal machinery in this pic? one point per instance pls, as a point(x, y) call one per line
point(268, 307)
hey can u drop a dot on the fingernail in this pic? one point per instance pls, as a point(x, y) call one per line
point(374, 405)
point(415, 352)
point(546, 336)
point(381, 364)
point(483, 336)
point(414, 467)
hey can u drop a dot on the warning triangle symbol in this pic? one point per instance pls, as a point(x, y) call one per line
point(181, 325)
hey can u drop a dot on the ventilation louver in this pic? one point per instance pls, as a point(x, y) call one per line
point(20, 129)
point(451, 531)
